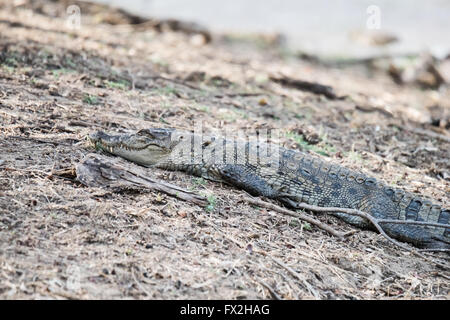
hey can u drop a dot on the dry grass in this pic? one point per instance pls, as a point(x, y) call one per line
point(59, 239)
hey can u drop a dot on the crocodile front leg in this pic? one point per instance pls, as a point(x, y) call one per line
point(246, 177)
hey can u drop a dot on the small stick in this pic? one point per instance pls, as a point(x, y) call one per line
point(298, 215)
point(140, 285)
point(240, 94)
point(270, 289)
point(434, 250)
point(428, 133)
point(175, 81)
point(55, 143)
point(292, 272)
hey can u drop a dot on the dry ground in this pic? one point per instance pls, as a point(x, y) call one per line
point(60, 239)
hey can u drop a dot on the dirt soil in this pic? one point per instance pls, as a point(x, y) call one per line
point(60, 239)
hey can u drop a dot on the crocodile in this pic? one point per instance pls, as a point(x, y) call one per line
point(289, 176)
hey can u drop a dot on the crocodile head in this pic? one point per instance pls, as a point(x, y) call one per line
point(146, 147)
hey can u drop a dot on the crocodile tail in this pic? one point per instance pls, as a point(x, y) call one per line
point(411, 207)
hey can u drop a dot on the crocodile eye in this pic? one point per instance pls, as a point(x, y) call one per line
point(155, 133)
point(205, 144)
point(145, 132)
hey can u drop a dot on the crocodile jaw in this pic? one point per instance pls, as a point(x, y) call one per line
point(140, 150)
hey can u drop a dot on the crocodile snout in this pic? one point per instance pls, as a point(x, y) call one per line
point(97, 136)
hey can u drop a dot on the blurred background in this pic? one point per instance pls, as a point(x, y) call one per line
point(322, 27)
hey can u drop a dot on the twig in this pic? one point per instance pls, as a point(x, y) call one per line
point(80, 123)
point(292, 272)
point(313, 87)
point(55, 143)
point(429, 133)
point(140, 285)
point(373, 109)
point(26, 170)
point(434, 250)
point(298, 215)
point(240, 94)
point(174, 81)
point(61, 294)
point(270, 289)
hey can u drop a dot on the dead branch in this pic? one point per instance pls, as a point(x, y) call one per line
point(312, 87)
point(96, 170)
